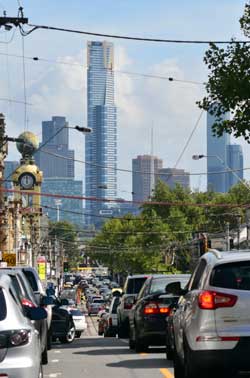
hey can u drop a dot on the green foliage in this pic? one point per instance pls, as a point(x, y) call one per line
point(228, 85)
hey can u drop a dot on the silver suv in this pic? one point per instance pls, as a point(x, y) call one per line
point(212, 320)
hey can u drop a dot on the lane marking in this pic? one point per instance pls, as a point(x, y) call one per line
point(54, 361)
point(167, 373)
point(143, 354)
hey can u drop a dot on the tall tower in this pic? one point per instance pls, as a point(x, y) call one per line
point(144, 168)
point(217, 156)
point(235, 162)
point(101, 144)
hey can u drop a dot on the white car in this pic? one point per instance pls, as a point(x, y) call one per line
point(79, 321)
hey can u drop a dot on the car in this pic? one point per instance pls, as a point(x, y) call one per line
point(132, 286)
point(147, 317)
point(62, 324)
point(70, 294)
point(19, 339)
point(110, 326)
point(211, 323)
point(95, 306)
point(79, 321)
point(28, 299)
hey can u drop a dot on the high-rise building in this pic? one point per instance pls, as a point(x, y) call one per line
point(173, 176)
point(144, 168)
point(101, 143)
point(216, 156)
point(56, 161)
point(235, 162)
point(49, 163)
point(9, 168)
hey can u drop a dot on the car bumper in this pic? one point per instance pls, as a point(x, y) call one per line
point(153, 330)
point(23, 367)
point(238, 357)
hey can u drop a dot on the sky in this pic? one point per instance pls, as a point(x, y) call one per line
point(56, 84)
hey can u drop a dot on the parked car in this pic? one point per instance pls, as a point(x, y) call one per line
point(27, 298)
point(132, 286)
point(70, 294)
point(19, 339)
point(148, 316)
point(40, 295)
point(110, 326)
point(212, 321)
point(79, 321)
point(62, 325)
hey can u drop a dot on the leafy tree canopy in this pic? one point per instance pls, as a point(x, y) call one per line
point(228, 85)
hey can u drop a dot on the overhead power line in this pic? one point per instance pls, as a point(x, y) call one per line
point(119, 200)
point(131, 38)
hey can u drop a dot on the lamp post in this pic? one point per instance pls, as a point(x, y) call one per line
point(198, 157)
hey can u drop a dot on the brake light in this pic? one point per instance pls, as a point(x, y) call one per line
point(155, 308)
point(14, 338)
point(28, 303)
point(210, 300)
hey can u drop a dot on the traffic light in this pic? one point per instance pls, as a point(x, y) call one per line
point(65, 266)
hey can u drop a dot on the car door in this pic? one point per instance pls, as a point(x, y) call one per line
point(185, 314)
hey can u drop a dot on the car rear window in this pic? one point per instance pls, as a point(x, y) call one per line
point(158, 285)
point(3, 309)
point(76, 313)
point(98, 301)
point(31, 279)
point(135, 285)
point(234, 275)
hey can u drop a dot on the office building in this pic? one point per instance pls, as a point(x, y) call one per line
point(9, 168)
point(144, 168)
point(221, 157)
point(64, 209)
point(173, 176)
point(46, 158)
point(101, 143)
point(217, 156)
point(235, 162)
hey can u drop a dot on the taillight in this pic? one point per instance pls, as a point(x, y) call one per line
point(210, 300)
point(155, 308)
point(28, 303)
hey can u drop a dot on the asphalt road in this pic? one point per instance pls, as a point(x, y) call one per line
point(94, 356)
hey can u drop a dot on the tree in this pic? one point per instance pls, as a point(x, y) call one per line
point(228, 86)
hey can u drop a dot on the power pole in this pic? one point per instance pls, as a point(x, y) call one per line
point(3, 154)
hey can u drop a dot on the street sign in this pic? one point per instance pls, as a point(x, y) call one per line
point(9, 258)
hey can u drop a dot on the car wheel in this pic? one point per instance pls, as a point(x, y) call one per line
point(78, 334)
point(178, 366)
point(190, 366)
point(49, 340)
point(169, 354)
point(70, 336)
point(40, 374)
point(45, 356)
point(122, 331)
point(140, 346)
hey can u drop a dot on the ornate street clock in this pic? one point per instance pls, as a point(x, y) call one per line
point(27, 181)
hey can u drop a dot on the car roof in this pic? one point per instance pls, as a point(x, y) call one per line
point(227, 256)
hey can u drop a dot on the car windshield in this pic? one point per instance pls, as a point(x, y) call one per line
point(158, 285)
point(234, 275)
point(135, 285)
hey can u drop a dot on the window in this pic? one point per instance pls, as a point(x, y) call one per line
point(195, 280)
point(3, 309)
point(234, 275)
point(135, 285)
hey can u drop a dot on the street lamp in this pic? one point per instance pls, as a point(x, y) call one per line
point(198, 157)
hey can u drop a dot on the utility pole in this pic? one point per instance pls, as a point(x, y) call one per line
point(227, 236)
point(3, 154)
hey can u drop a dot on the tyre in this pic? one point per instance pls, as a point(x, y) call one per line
point(78, 334)
point(40, 374)
point(190, 366)
point(140, 346)
point(49, 340)
point(131, 344)
point(70, 336)
point(169, 354)
point(178, 366)
point(45, 356)
point(122, 331)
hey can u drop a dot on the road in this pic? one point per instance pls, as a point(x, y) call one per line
point(94, 356)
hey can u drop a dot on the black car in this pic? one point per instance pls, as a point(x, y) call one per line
point(147, 319)
point(62, 325)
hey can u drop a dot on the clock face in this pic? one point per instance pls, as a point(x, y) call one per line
point(27, 181)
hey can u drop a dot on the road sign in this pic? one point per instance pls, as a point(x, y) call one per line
point(9, 258)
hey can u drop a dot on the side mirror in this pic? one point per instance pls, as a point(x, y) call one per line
point(174, 288)
point(36, 313)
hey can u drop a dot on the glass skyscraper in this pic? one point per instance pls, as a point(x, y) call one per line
point(101, 144)
point(222, 156)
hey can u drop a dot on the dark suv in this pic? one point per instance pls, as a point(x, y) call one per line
point(132, 286)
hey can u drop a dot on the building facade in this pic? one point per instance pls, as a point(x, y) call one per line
point(221, 157)
point(144, 177)
point(173, 176)
point(235, 162)
point(51, 165)
point(101, 143)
